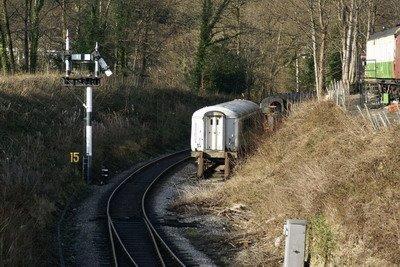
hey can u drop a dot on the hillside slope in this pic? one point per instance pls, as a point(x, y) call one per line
point(328, 168)
point(41, 123)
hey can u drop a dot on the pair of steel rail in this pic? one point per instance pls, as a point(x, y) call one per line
point(118, 245)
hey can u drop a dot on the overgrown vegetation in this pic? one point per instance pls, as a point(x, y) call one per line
point(167, 41)
point(324, 166)
point(322, 240)
point(225, 72)
point(41, 123)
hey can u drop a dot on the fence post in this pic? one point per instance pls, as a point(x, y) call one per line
point(398, 112)
point(359, 110)
point(337, 93)
point(344, 93)
point(386, 118)
point(370, 117)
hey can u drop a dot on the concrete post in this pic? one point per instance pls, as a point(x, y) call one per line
point(295, 233)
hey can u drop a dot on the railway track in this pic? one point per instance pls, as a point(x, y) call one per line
point(134, 239)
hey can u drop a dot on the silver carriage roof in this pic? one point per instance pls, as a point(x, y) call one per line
point(231, 109)
point(385, 33)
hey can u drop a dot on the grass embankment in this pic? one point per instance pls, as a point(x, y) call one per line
point(328, 168)
point(41, 123)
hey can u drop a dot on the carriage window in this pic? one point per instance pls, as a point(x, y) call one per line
point(217, 121)
point(211, 122)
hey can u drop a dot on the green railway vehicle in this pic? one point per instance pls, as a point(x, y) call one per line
point(382, 67)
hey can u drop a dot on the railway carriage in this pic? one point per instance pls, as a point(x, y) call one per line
point(222, 132)
point(382, 66)
point(283, 101)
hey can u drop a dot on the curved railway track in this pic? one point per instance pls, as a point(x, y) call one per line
point(134, 239)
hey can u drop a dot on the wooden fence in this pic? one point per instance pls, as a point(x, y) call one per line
point(379, 118)
point(338, 93)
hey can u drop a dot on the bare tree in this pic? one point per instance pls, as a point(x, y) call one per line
point(319, 31)
point(350, 25)
point(10, 43)
point(5, 62)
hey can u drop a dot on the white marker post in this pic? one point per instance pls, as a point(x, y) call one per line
point(67, 57)
point(89, 110)
point(89, 144)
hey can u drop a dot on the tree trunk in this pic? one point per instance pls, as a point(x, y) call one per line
point(354, 54)
point(321, 67)
point(238, 25)
point(208, 21)
point(314, 48)
point(204, 42)
point(143, 67)
point(322, 51)
point(64, 17)
point(297, 73)
point(5, 63)
point(26, 35)
point(120, 36)
point(371, 18)
point(9, 37)
point(34, 36)
point(349, 45)
point(33, 56)
point(273, 70)
point(343, 19)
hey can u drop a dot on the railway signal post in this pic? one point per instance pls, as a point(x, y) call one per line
point(89, 82)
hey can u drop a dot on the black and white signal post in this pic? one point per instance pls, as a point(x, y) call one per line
point(89, 82)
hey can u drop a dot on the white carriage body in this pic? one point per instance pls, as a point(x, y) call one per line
point(217, 129)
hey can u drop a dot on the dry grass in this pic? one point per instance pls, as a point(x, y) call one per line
point(41, 123)
point(328, 168)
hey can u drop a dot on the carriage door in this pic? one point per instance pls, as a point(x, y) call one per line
point(215, 132)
